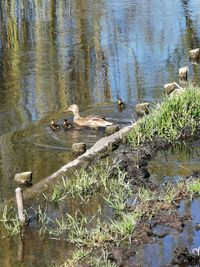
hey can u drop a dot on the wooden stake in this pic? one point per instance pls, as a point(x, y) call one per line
point(20, 205)
point(183, 73)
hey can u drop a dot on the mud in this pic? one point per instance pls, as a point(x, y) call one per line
point(166, 218)
point(183, 257)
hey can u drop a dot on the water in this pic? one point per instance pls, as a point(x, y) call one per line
point(55, 53)
point(178, 161)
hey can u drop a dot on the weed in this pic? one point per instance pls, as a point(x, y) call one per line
point(194, 187)
point(10, 221)
point(145, 194)
point(124, 227)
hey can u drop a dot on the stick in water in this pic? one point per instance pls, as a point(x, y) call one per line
point(20, 205)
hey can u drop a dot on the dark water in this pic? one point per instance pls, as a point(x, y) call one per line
point(178, 161)
point(55, 53)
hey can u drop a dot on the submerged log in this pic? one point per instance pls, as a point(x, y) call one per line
point(24, 178)
point(183, 73)
point(79, 148)
point(194, 54)
point(142, 109)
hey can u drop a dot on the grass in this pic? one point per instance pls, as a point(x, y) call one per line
point(194, 188)
point(10, 221)
point(123, 229)
point(169, 118)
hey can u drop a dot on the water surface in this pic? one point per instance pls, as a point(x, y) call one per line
point(55, 53)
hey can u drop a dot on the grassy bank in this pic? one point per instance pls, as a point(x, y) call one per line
point(171, 119)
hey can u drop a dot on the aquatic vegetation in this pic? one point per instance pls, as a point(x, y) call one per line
point(117, 202)
point(170, 194)
point(169, 119)
point(145, 194)
point(77, 257)
point(102, 261)
point(43, 220)
point(10, 221)
point(123, 228)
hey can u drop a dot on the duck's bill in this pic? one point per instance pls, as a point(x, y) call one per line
point(66, 110)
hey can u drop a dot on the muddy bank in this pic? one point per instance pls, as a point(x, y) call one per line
point(165, 217)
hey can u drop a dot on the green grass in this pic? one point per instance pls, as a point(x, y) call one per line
point(194, 187)
point(169, 118)
point(10, 221)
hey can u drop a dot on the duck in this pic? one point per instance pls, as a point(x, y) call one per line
point(66, 124)
point(89, 121)
point(120, 104)
point(53, 125)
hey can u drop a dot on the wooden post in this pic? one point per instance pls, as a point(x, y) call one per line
point(20, 205)
point(183, 73)
point(194, 54)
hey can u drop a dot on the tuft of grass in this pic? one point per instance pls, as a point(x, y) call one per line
point(145, 194)
point(102, 261)
point(10, 221)
point(123, 228)
point(194, 187)
point(169, 119)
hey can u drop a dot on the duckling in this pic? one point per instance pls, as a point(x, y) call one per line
point(66, 124)
point(120, 104)
point(90, 121)
point(53, 125)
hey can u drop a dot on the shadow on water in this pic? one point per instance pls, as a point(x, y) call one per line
point(181, 159)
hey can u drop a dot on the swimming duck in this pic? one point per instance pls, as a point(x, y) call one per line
point(66, 124)
point(120, 104)
point(53, 125)
point(90, 121)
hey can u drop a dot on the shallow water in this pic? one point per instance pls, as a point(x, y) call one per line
point(161, 252)
point(55, 53)
point(178, 161)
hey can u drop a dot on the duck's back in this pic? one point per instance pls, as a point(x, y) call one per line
point(92, 121)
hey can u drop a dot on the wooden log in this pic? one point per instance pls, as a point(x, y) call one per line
point(170, 87)
point(183, 73)
point(112, 129)
point(194, 54)
point(20, 205)
point(24, 178)
point(79, 148)
point(142, 108)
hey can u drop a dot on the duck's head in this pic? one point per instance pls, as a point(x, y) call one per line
point(119, 102)
point(52, 121)
point(73, 108)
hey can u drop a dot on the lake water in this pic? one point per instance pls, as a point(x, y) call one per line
point(89, 52)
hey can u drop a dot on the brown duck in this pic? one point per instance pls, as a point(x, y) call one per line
point(66, 124)
point(90, 121)
point(53, 125)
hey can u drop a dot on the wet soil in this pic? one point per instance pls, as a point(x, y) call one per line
point(165, 219)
